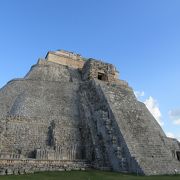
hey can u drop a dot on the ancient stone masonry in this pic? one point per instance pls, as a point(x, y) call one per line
point(94, 69)
point(71, 112)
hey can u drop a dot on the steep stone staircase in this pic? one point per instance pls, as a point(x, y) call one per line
point(142, 134)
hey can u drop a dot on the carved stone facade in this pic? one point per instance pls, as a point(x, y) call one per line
point(74, 113)
point(94, 69)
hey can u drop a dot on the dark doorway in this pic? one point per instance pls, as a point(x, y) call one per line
point(178, 155)
point(93, 156)
point(102, 76)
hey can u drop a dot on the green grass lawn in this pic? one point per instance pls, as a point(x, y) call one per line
point(85, 175)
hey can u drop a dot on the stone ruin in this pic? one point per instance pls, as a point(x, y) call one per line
point(73, 113)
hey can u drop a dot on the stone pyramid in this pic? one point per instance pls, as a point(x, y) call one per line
point(70, 112)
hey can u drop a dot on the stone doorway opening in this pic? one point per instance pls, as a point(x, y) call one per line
point(102, 76)
point(178, 155)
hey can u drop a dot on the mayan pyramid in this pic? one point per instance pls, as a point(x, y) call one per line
point(70, 112)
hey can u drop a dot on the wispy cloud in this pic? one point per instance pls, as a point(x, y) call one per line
point(174, 115)
point(178, 138)
point(139, 94)
point(151, 104)
point(172, 135)
point(153, 107)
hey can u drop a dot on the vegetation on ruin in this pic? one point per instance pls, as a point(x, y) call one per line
point(85, 175)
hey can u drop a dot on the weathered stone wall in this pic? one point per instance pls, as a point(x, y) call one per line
point(8, 167)
point(99, 70)
point(49, 93)
point(67, 59)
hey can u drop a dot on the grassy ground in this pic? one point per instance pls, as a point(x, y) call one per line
point(85, 175)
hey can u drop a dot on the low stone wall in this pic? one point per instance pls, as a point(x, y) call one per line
point(26, 166)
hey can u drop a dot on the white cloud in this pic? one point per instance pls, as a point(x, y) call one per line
point(178, 138)
point(175, 116)
point(153, 107)
point(151, 104)
point(170, 134)
point(177, 122)
point(139, 94)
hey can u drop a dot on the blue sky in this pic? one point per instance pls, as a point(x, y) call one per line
point(140, 37)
